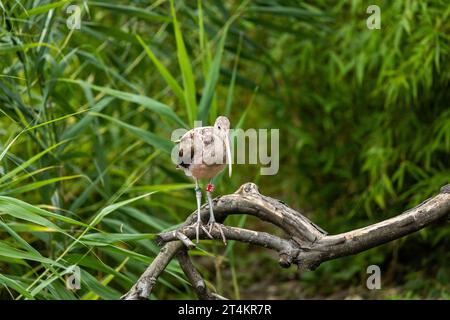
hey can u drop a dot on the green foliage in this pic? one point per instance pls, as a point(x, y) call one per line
point(86, 116)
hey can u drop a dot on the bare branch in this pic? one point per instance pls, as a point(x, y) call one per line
point(194, 276)
point(231, 233)
point(143, 287)
point(286, 249)
point(182, 237)
point(348, 243)
point(307, 245)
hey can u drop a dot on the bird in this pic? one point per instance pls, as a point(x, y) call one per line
point(203, 152)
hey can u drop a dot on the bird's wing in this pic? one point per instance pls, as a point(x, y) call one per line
point(185, 149)
point(198, 130)
point(199, 145)
point(206, 140)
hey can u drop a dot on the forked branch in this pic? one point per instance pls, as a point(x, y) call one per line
point(305, 244)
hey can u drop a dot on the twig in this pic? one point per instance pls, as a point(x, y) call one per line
point(143, 287)
point(194, 276)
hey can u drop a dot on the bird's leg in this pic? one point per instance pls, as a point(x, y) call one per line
point(198, 224)
point(212, 221)
point(198, 195)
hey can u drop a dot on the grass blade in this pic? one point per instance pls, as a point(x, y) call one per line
point(149, 103)
point(186, 69)
point(39, 184)
point(149, 137)
point(213, 76)
point(15, 285)
point(170, 80)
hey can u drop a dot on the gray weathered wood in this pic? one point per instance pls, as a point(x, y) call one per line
point(305, 244)
point(194, 277)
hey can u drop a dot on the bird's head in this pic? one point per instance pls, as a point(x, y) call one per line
point(222, 124)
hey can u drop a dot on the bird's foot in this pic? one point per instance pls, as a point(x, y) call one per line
point(213, 224)
point(199, 225)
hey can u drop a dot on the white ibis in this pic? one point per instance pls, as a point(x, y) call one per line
point(203, 152)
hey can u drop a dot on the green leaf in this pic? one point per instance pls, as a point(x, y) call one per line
point(29, 162)
point(19, 239)
point(285, 11)
point(15, 285)
point(186, 69)
point(81, 125)
point(147, 136)
point(25, 211)
point(162, 187)
point(92, 284)
point(95, 264)
point(39, 184)
point(105, 281)
point(210, 85)
point(170, 80)
point(49, 281)
point(11, 252)
point(146, 218)
point(129, 10)
point(153, 105)
point(127, 253)
point(230, 95)
point(7, 48)
point(107, 210)
point(43, 9)
point(109, 238)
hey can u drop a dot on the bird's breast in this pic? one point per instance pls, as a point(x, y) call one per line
point(204, 171)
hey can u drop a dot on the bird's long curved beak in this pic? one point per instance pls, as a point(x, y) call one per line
point(228, 150)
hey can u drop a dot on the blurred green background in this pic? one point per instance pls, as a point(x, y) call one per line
point(86, 117)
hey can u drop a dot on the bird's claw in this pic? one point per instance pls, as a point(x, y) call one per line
point(212, 224)
point(197, 226)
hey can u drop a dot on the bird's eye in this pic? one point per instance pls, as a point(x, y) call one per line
point(218, 127)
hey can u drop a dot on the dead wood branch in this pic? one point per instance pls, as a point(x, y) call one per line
point(305, 244)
